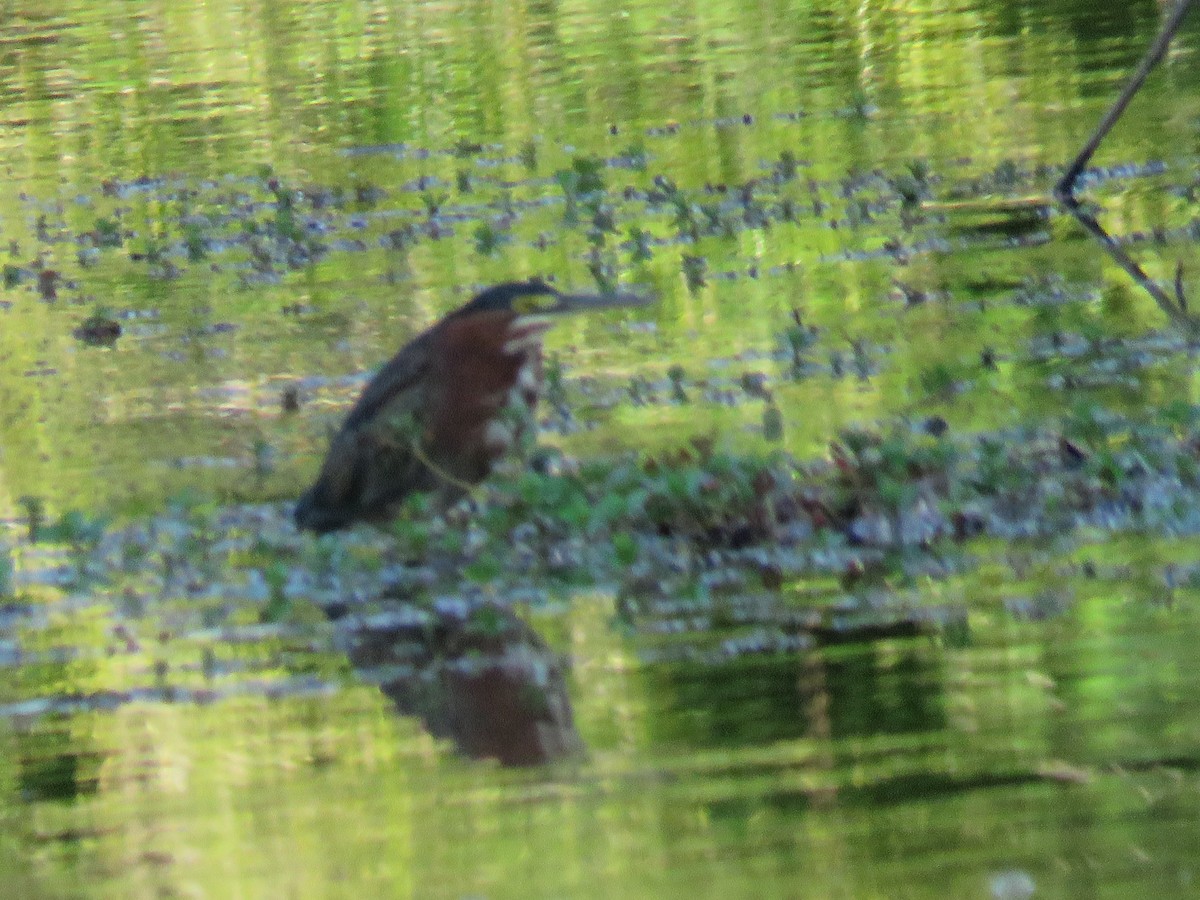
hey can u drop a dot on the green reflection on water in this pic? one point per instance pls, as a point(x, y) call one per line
point(1063, 749)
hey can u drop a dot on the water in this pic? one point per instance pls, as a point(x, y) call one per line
point(273, 198)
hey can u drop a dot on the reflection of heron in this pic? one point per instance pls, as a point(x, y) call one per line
point(1175, 307)
point(473, 672)
point(444, 409)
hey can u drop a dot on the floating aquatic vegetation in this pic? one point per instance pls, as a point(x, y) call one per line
point(489, 238)
point(772, 422)
point(676, 375)
point(941, 379)
point(290, 398)
point(99, 329)
point(107, 233)
point(695, 271)
point(35, 512)
point(639, 244)
point(195, 242)
point(704, 544)
point(860, 106)
point(582, 182)
point(787, 167)
point(465, 148)
point(47, 284)
point(13, 275)
point(6, 572)
point(797, 338)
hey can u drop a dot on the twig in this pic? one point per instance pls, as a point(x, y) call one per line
point(1175, 309)
point(1064, 191)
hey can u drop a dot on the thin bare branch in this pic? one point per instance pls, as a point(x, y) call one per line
point(1175, 308)
point(1065, 189)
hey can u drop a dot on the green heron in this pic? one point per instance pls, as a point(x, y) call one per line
point(440, 413)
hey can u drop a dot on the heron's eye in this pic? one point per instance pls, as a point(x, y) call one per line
point(531, 303)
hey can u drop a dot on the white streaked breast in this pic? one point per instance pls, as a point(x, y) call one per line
point(525, 334)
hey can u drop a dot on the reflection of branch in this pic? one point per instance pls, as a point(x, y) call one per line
point(1176, 307)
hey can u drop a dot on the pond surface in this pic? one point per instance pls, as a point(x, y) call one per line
point(915, 679)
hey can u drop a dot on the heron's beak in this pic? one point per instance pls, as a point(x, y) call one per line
point(565, 303)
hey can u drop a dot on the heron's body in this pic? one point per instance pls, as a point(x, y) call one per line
point(442, 411)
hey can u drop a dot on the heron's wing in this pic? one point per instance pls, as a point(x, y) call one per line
point(396, 390)
point(372, 462)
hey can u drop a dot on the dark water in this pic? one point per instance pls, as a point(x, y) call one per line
point(277, 195)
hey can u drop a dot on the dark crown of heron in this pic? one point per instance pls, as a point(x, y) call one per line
point(515, 296)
